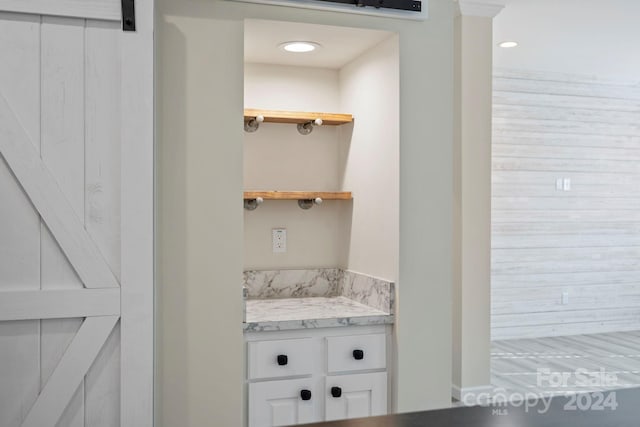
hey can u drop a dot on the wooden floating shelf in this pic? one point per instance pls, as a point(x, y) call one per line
point(298, 195)
point(271, 116)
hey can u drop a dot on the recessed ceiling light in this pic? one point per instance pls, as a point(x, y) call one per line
point(508, 44)
point(299, 47)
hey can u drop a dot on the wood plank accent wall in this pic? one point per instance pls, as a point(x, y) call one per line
point(546, 241)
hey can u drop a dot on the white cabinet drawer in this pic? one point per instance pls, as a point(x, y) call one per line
point(356, 352)
point(280, 358)
point(285, 402)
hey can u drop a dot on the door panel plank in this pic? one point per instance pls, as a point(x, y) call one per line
point(47, 197)
point(102, 200)
point(19, 370)
point(19, 222)
point(20, 77)
point(102, 139)
point(69, 373)
point(62, 141)
point(136, 61)
point(62, 148)
point(61, 304)
point(96, 9)
point(62, 152)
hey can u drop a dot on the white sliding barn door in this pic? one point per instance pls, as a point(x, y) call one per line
point(76, 214)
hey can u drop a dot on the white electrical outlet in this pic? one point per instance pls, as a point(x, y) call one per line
point(566, 184)
point(559, 184)
point(279, 240)
point(565, 298)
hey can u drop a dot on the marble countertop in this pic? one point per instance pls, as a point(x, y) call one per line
point(310, 312)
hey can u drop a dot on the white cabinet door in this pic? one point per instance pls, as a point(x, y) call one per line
point(355, 396)
point(286, 402)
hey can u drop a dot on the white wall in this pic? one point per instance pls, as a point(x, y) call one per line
point(277, 157)
point(369, 89)
point(199, 343)
point(199, 118)
point(285, 87)
point(545, 242)
point(588, 37)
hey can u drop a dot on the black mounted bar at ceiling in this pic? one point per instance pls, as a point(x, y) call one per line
point(414, 6)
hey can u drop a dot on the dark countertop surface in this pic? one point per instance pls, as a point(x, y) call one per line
point(560, 412)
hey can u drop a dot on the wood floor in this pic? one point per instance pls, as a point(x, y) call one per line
point(560, 365)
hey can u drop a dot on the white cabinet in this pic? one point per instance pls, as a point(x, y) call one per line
point(302, 376)
point(355, 396)
point(285, 402)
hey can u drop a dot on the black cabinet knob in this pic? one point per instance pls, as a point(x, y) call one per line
point(305, 394)
point(358, 354)
point(336, 391)
point(282, 359)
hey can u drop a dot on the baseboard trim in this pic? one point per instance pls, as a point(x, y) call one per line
point(470, 396)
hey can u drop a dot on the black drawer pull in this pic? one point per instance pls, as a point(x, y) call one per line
point(305, 394)
point(282, 359)
point(336, 391)
point(358, 354)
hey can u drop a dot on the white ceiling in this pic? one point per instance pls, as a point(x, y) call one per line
point(592, 37)
point(340, 45)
